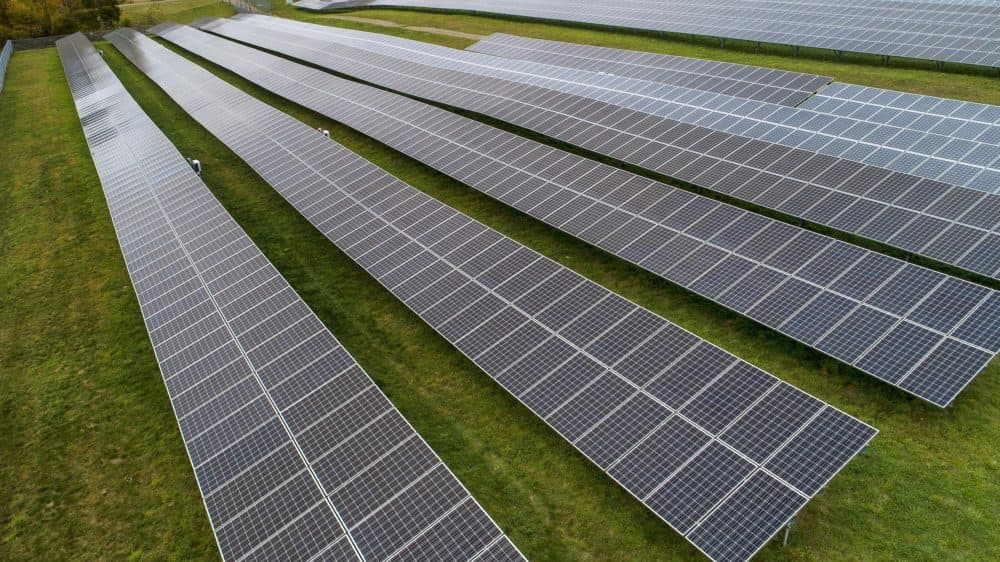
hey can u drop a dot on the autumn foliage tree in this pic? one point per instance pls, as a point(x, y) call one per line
point(35, 18)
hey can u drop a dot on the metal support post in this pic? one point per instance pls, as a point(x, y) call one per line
point(788, 528)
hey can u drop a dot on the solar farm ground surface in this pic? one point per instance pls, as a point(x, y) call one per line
point(150, 13)
point(93, 466)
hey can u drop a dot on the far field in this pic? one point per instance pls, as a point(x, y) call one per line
point(91, 463)
point(143, 14)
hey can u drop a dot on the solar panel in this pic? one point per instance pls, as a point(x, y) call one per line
point(298, 455)
point(742, 81)
point(544, 332)
point(925, 217)
point(961, 32)
point(5, 54)
point(972, 129)
point(949, 150)
point(707, 246)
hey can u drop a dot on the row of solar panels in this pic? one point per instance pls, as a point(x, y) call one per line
point(939, 221)
point(958, 150)
point(298, 455)
point(953, 32)
point(5, 54)
point(920, 330)
point(627, 388)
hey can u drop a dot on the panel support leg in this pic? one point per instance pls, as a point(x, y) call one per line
point(788, 529)
point(839, 54)
point(795, 50)
point(722, 42)
point(756, 47)
point(886, 59)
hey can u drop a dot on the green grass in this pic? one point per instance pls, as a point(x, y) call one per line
point(93, 467)
point(957, 81)
point(145, 14)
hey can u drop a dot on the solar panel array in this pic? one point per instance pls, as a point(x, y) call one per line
point(843, 300)
point(963, 153)
point(945, 223)
point(961, 32)
point(739, 80)
point(5, 54)
point(722, 451)
point(298, 455)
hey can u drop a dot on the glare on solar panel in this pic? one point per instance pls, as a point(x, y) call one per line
point(946, 149)
point(751, 82)
point(5, 54)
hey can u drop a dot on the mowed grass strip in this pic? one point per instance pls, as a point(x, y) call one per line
point(964, 82)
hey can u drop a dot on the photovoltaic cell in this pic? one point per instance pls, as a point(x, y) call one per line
point(710, 247)
point(261, 389)
point(571, 389)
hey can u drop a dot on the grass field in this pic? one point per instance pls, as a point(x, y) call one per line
point(92, 464)
point(144, 14)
